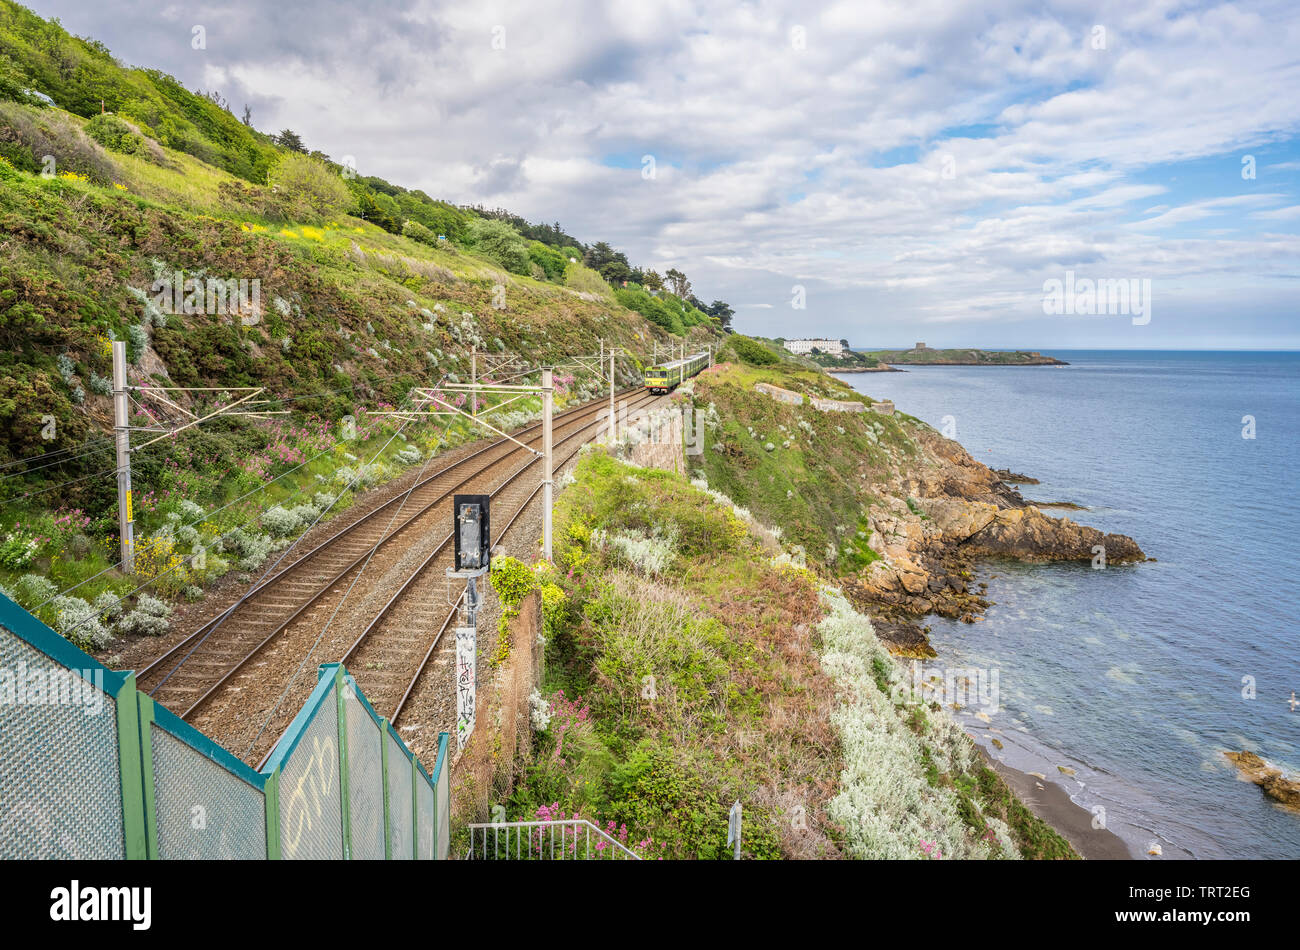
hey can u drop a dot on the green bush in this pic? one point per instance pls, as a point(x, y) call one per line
point(751, 351)
point(309, 189)
point(652, 308)
point(114, 133)
point(512, 580)
point(499, 243)
point(418, 232)
point(438, 216)
point(14, 83)
point(551, 261)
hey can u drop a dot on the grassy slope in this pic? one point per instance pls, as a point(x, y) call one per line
point(811, 482)
point(690, 665)
point(351, 317)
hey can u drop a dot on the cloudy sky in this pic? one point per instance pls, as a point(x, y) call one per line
point(918, 168)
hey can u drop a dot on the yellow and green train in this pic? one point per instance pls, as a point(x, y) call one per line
point(668, 376)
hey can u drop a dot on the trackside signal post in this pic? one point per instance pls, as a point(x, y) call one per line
point(472, 536)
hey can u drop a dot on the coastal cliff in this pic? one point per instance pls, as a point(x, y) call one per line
point(882, 502)
point(954, 510)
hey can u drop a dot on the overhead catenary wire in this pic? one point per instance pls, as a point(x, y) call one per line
point(320, 636)
point(106, 441)
point(53, 458)
point(43, 456)
point(71, 481)
point(230, 610)
point(206, 516)
point(184, 561)
point(55, 463)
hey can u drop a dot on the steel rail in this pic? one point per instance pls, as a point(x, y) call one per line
point(425, 564)
point(401, 703)
point(365, 520)
point(324, 589)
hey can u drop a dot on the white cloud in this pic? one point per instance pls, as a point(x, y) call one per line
point(770, 158)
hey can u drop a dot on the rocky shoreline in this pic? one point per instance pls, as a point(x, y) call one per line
point(958, 356)
point(947, 511)
point(953, 511)
point(878, 368)
point(1277, 786)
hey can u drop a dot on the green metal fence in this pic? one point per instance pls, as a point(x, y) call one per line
point(92, 768)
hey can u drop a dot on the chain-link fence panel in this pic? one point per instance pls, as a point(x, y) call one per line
point(399, 800)
point(365, 781)
point(311, 811)
point(60, 783)
point(201, 809)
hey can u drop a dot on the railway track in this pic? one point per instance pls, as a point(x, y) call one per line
point(394, 650)
point(210, 667)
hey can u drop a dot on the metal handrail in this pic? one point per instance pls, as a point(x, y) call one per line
point(527, 847)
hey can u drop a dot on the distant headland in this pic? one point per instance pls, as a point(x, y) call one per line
point(922, 355)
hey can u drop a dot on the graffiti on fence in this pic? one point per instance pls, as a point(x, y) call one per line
point(305, 801)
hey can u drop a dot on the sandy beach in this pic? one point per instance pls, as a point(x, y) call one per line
point(1050, 802)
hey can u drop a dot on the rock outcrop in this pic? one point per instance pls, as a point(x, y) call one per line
point(1277, 786)
point(1014, 477)
point(1029, 535)
point(940, 514)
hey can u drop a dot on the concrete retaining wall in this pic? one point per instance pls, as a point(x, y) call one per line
point(837, 405)
point(779, 394)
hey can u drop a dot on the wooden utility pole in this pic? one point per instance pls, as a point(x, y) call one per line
point(122, 431)
point(613, 426)
point(548, 488)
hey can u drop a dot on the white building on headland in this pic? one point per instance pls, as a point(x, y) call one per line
point(832, 347)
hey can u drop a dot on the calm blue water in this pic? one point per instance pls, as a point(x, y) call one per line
point(1133, 676)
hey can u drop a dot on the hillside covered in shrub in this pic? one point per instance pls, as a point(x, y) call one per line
point(690, 663)
point(136, 210)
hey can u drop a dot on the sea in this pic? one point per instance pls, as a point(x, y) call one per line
point(1126, 684)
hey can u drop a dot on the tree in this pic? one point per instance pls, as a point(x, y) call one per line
point(615, 272)
point(551, 261)
point(379, 209)
point(216, 98)
point(14, 82)
point(677, 280)
point(499, 242)
point(652, 281)
point(290, 139)
point(722, 312)
point(600, 254)
point(248, 116)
